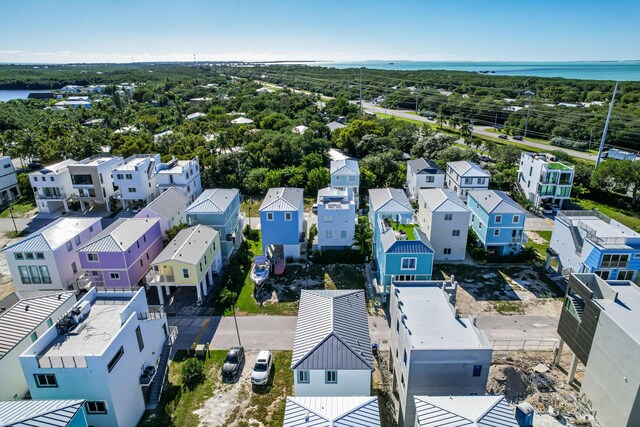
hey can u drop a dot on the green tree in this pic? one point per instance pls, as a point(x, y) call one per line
point(192, 372)
point(318, 178)
point(173, 231)
point(363, 236)
point(313, 232)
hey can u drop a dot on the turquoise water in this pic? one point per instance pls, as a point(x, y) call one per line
point(619, 70)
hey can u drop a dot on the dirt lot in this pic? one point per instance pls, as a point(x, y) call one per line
point(6, 282)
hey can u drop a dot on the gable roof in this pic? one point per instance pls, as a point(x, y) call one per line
point(422, 166)
point(442, 200)
point(54, 235)
point(473, 411)
point(120, 235)
point(168, 203)
point(215, 200)
point(343, 411)
point(283, 199)
point(335, 125)
point(468, 169)
point(20, 320)
point(389, 200)
point(332, 331)
point(495, 201)
point(349, 166)
point(40, 413)
point(188, 246)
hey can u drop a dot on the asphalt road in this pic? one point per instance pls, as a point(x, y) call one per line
point(535, 223)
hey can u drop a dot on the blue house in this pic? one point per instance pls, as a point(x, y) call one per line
point(498, 221)
point(389, 203)
point(219, 208)
point(22, 413)
point(282, 222)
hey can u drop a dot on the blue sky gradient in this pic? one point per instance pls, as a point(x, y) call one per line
point(475, 30)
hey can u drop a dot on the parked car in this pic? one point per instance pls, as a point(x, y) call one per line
point(547, 209)
point(518, 137)
point(34, 165)
point(232, 365)
point(484, 158)
point(503, 136)
point(262, 368)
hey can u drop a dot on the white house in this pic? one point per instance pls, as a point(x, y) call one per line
point(111, 349)
point(423, 173)
point(52, 186)
point(9, 188)
point(47, 259)
point(169, 207)
point(332, 411)
point(332, 347)
point(21, 325)
point(345, 175)
point(336, 218)
point(92, 181)
point(444, 218)
point(183, 175)
point(463, 411)
point(136, 179)
point(545, 180)
point(464, 176)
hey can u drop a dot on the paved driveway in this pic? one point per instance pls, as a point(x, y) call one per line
point(535, 223)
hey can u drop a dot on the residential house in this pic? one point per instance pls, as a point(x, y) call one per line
point(464, 176)
point(9, 188)
point(472, 411)
point(498, 221)
point(242, 121)
point(336, 218)
point(47, 259)
point(110, 349)
point(332, 347)
point(63, 413)
point(52, 187)
point(544, 180)
point(591, 242)
point(219, 208)
point(332, 411)
point(73, 104)
point(196, 116)
point(434, 351)
point(21, 325)
point(136, 179)
point(190, 259)
point(300, 129)
point(183, 175)
point(599, 324)
point(169, 207)
point(335, 125)
point(388, 203)
point(421, 174)
point(345, 175)
point(120, 255)
point(444, 218)
point(92, 181)
point(282, 222)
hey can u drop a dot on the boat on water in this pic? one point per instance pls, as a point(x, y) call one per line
point(260, 269)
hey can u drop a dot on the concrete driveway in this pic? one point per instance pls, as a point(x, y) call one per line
point(535, 223)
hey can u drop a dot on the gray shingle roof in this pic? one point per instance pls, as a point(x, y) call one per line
point(120, 235)
point(472, 411)
point(20, 320)
point(349, 166)
point(283, 199)
point(389, 200)
point(215, 200)
point(421, 165)
point(442, 200)
point(332, 331)
point(468, 169)
point(38, 413)
point(168, 203)
point(53, 235)
point(188, 246)
point(343, 411)
point(495, 201)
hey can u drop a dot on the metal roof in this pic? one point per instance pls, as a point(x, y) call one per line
point(335, 125)
point(168, 203)
point(215, 200)
point(468, 169)
point(283, 199)
point(392, 245)
point(53, 235)
point(335, 411)
point(120, 235)
point(55, 168)
point(389, 200)
point(39, 413)
point(458, 411)
point(332, 331)
point(188, 246)
point(495, 201)
point(421, 165)
point(349, 166)
point(442, 200)
point(22, 319)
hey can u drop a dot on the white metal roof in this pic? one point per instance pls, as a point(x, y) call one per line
point(241, 121)
point(348, 166)
point(168, 203)
point(215, 200)
point(495, 201)
point(468, 169)
point(283, 199)
point(391, 200)
point(120, 235)
point(343, 411)
point(53, 235)
point(38, 413)
point(442, 200)
point(188, 246)
point(459, 411)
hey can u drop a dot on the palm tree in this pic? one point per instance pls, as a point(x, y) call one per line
point(363, 235)
point(465, 130)
point(454, 122)
point(440, 119)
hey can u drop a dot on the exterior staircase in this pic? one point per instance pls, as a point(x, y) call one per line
point(155, 388)
point(578, 241)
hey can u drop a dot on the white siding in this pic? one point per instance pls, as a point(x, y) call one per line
point(350, 383)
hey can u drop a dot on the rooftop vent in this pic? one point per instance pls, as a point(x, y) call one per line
point(26, 307)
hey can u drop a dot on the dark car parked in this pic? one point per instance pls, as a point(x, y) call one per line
point(232, 365)
point(503, 136)
point(518, 137)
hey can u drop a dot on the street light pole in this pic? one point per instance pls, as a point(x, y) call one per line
point(236, 322)
point(526, 123)
point(12, 218)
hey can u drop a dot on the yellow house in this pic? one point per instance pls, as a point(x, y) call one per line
point(190, 259)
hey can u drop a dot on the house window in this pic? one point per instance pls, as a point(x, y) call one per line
point(93, 257)
point(404, 278)
point(287, 216)
point(468, 181)
point(269, 216)
point(96, 407)
point(329, 234)
point(604, 274)
point(448, 217)
point(479, 225)
point(39, 255)
point(74, 267)
point(477, 370)
point(498, 219)
point(185, 273)
point(447, 251)
point(141, 263)
point(114, 276)
point(455, 233)
point(128, 176)
point(343, 234)
point(303, 377)
point(481, 181)
point(139, 337)
point(496, 232)
point(115, 359)
point(331, 377)
point(328, 218)
point(34, 337)
point(409, 263)
point(18, 255)
point(516, 219)
point(24, 274)
point(131, 189)
point(44, 274)
point(45, 380)
point(352, 178)
point(119, 176)
point(91, 229)
point(404, 359)
point(49, 322)
point(77, 240)
point(29, 255)
point(625, 274)
point(35, 274)
point(397, 326)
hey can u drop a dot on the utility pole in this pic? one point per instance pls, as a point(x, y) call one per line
point(417, 95)
point(590, 138)
point(471, 139)
point(360, 90)
point(526, 123)
point(606, 125)
point(495, 125)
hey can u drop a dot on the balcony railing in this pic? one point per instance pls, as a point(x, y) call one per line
point(154, 278)
point(50, 362)
point(155, 312)
point(61, 196)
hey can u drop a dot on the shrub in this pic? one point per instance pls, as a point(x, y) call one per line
point(192, 372)
point(570, 143)
point(251, 234)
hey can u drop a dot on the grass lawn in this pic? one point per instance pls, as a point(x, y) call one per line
point(406, 228)
point(541, 248)
point(20, 207)
point(628, 218)
point(251, 204)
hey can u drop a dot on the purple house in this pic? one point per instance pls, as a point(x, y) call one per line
point(122, 253)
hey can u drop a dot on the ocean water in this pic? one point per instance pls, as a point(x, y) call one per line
point(614, 70)
point(8, 95)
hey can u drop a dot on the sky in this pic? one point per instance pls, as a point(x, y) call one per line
point(349, 30)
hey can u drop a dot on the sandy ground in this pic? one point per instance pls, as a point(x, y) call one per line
point(6, 282)
point(535, 237)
